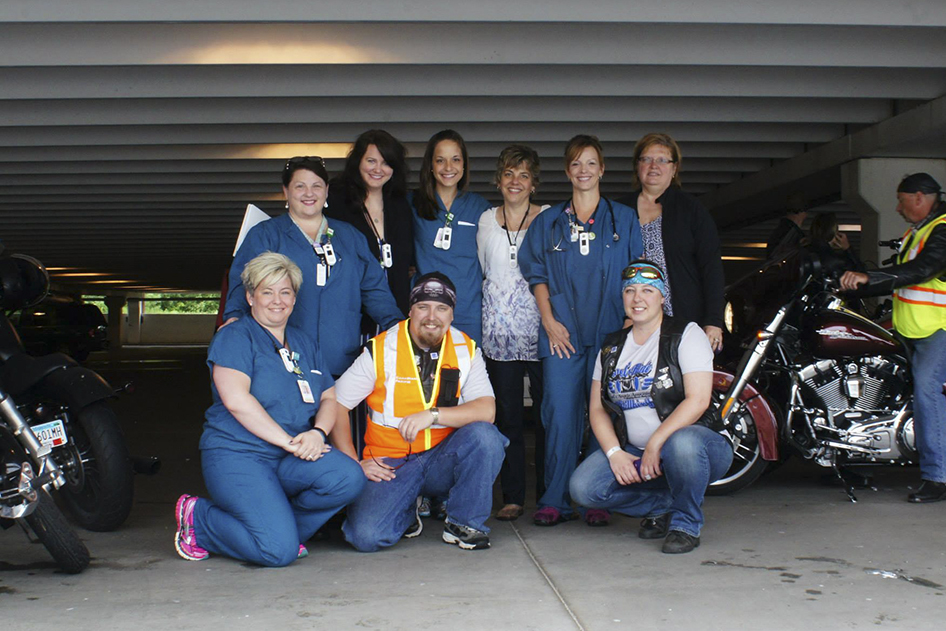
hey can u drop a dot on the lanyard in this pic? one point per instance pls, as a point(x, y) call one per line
point(385, 256)
point(513, 240)
point(290, 358)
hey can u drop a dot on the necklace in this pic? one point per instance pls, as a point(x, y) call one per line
point(513, 245)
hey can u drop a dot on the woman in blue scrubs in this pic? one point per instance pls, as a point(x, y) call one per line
point(341, 276)
point(272, 479)
point(571, 255)
point(445, 224)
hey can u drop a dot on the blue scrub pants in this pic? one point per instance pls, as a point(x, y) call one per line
point(264, 507)
point(567, 384)
point(691, 459)
point(462, 468)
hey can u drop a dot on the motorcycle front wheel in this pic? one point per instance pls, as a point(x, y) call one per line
point(99, 488)
point(747, 463)
point(53, 530)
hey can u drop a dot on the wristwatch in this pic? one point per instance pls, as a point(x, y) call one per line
point(435, 413)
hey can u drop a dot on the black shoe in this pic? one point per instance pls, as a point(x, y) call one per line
point(465, 537)
point(654, 527)
point(679, 542)
point(418, 526)
point(438, 510)
point(928, 492)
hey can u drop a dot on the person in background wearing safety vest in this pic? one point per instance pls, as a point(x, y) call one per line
point(431, 429)
point(918, 282)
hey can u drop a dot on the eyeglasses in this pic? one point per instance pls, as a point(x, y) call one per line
point(303, 159)
point(644, 271)
point(649, 160)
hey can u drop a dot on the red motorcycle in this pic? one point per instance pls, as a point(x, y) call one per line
point(815, 378)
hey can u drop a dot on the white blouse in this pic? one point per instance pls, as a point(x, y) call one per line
point(510, 316)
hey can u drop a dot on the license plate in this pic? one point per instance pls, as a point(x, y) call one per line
point(52, 434)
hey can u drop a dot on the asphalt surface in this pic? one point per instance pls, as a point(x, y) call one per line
point(787, 553)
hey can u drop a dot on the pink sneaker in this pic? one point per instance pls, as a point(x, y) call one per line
point(184, 540)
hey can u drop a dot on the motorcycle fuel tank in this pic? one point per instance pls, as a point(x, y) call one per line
point(835, 333)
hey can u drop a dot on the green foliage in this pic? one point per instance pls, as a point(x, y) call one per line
point(182, 303)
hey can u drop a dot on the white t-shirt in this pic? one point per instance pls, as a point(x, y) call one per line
point(630, 384)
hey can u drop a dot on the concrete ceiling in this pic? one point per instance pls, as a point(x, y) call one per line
point(133, 134)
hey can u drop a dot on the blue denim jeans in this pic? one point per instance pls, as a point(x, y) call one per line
point(462, 468)
point(262, 508)
point(929, 404)
point(691, 459)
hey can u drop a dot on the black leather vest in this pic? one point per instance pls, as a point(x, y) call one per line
point(667, 390)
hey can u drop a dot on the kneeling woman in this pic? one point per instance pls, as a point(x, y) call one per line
point(272, 478)
point(650, 411)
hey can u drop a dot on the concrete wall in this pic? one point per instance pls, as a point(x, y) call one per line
point(185, 328)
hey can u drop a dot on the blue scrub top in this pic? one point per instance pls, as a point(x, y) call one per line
point(330, 314)
point(585, 291)
point(248, 347)
point(459, 263)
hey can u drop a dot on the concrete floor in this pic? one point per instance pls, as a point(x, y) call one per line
point(787, 553)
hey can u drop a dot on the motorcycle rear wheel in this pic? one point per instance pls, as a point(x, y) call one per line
point(53, 530)
point(747, 464)
point(100, 480)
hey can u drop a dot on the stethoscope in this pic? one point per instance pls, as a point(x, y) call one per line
point(615, 236)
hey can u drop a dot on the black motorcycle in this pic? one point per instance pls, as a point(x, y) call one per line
point(27, 470)
point(66, 405)
point(814, 378)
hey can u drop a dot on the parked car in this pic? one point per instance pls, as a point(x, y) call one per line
point(62, 324)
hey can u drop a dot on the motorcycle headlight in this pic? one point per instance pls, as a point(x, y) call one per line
point(727, 317)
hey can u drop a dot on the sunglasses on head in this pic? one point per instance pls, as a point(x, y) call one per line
point(645, 271)
point(303, 159)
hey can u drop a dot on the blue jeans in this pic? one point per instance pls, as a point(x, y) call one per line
point(263, 508)
point(691, 459)
point(462, 468)
point(929, 404)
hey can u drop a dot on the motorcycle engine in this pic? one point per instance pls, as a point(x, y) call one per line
point(863, 401)
point(864, 383)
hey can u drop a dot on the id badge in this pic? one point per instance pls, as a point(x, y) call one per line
point(575, 232)
point(306, 391)
point(330, 254)
point(387, 258)
point(584, 244)
point(319, 249)
point(445, 238)
point(513, 256)
point(438, 241)
point(286, 359)
point(320, 274)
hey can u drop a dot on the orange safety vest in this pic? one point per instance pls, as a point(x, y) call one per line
point(398, 391)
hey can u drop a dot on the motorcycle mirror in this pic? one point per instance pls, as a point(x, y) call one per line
point(24, 282)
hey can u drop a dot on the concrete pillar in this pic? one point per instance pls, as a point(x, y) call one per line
point(133, 335)
point(114, 305)
point(869, 186)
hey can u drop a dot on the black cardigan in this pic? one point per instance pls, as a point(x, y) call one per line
point(398, 231)
point(694, 266)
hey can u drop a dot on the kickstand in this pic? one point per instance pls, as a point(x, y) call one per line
point(848, 487)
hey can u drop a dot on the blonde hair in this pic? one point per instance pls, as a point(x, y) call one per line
point(268, 269)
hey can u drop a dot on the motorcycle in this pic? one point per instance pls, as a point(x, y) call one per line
point(66, 406)
point(815, 379)
point(27, 470)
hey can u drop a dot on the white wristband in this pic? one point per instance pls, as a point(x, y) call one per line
point(612, 451)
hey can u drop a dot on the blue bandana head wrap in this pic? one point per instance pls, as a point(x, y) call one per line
point(643, 273)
